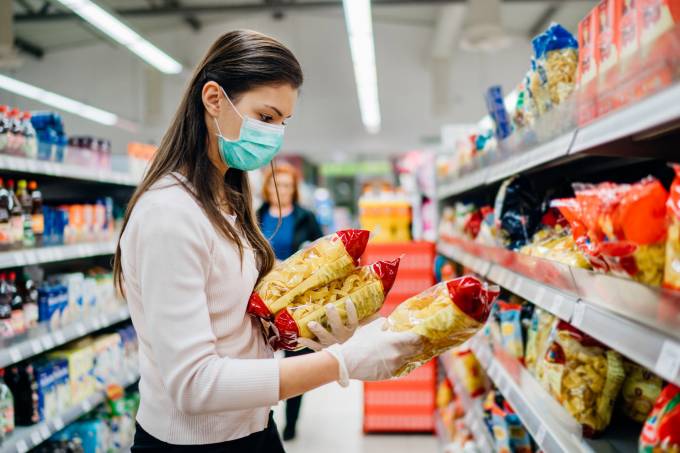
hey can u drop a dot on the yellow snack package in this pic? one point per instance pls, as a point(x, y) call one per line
point(366, 288)
point(327, 259)
point(640, 391)
point(538, 340)
point(584, 376)
point(445, 315)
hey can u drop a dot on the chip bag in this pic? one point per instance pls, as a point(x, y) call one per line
point(327, 259)
point(584, 376)
point(640, 390)
point(661, 433)
point(671, 278)
point(444, 315)
point(366, 288)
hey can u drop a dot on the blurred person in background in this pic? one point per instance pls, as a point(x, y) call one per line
point(297, 227)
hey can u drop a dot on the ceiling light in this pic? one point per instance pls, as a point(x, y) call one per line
point(118, 31)
point(360, 32)
point(58, 101)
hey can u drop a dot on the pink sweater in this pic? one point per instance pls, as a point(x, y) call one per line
point(207, 375)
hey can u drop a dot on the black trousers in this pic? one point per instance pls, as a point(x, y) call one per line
point(265, 441)
point(293, 404)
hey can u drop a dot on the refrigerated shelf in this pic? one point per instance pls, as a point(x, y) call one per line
point(42, 338)
point(25, 438)
point(641, 322)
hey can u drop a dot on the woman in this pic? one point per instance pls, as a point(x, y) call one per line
point(288, 226)
point(190, 254)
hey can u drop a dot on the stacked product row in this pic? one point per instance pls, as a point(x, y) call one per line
point(49, 385)
point(55, 300)
point(26, 222)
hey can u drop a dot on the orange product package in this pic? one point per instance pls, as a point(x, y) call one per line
point(366, 288)
point(445, 315)
point(656, 18)
point(608, 15)
point(671, 278)
point(587, 39)
point(329, 258)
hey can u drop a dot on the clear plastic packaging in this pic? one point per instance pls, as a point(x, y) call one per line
point(445, 315)
point(584, 376)
point(366, 288)
point(327, 259)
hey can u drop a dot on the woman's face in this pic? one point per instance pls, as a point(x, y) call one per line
point(286, 184)
point(270, 103)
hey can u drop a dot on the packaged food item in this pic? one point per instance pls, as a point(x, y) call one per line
point(556, 61)
point(327, 259)
point(587, 40)
point(501, 433)
point(520, 442)
point(671, 278)
point(444, 315)
point(366, 288)
point(469, 370)
point(661, 433)
point(584, 376)
point(608, 15)
point(639, 392)
point(558, 245)
point(6, 408)
point(517, 212)
point(511, 328)
point(444, 393)
point(496, 107)
point(657, 17)
point(538, 340)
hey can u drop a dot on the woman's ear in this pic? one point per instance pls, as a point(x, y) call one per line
point(211, 95)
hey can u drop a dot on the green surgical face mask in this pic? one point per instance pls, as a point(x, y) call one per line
point(256, 146)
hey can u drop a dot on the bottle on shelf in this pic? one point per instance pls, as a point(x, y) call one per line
point(24, 387)
point(30, 148)
point(17, 304)
point(6, 327)
point(30, 300)
point(16, 133)
point(27, 207)
point(38, 219)
point(16, 218)
point(6, 238)
point(6, 408)
point(4, 128)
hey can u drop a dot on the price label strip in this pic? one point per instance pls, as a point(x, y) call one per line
point(668, 363)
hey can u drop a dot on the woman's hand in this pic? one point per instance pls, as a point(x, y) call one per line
point(374, 353)
point(340, 332)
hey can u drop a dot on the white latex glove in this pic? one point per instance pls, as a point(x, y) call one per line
point(374, 353)
point(340, 331)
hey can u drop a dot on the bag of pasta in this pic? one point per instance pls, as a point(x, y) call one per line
point(671, 277)
point(444, 315)
point(554, 67)
point(366, 288)
point(639, 392)
point(661, 433)
point(584, 376)
point(327, 259)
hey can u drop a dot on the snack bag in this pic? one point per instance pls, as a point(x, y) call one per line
point(640, 390)
point(511, 328)
point(671, 278)
point(444, 315)
point(469, 370)
point(444, 394)
point(538, 340)
point(584, 376)
point(501, 432)
point(661, 433)
point(520, 442)
point(327, 259)
point(556, 61)
point(366, 288)
point(517, 212)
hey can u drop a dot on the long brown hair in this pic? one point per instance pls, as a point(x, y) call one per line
point(238, 61)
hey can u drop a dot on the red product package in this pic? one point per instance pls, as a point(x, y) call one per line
point(607, 49)
point(366, 288)
point(629, 29)
point(587, 39)
point(327, 259)
point(661, 432)
point(656, 18)
point(671, 277)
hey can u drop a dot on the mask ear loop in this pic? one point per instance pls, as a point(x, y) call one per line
point(235, 110)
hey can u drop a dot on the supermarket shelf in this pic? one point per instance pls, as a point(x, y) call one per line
point(42, 338)
point(641, 322)
point(551, 426)
point(50, 254)
point(25, 438)
point(474, 415)
point(39, 167)
point(654, 111)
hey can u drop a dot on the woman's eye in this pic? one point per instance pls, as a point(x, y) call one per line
point(266, 118)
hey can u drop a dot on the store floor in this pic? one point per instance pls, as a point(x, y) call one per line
point(330, 422)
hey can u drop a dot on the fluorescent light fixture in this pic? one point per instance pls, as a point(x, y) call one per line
point(58, 101)
point(360, 31)
point(118, 31)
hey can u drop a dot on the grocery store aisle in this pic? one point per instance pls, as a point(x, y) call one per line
point(330, 422)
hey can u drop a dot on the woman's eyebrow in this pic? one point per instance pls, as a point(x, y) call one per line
point(278, 112)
